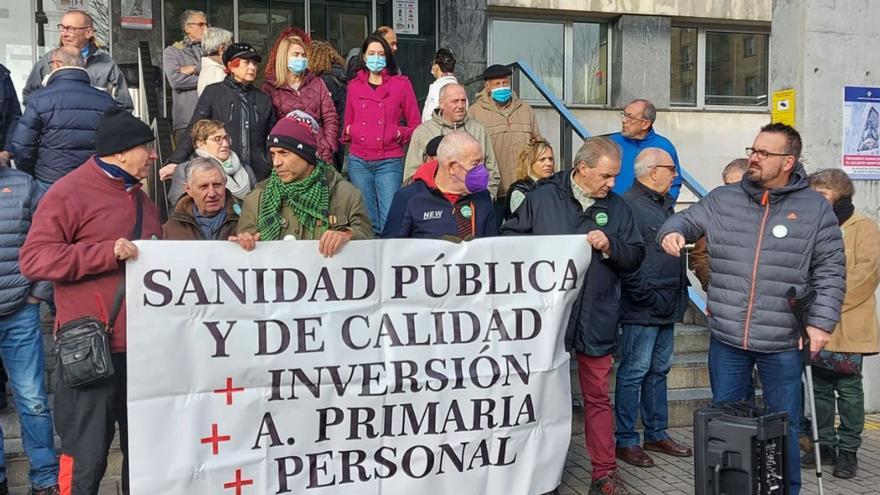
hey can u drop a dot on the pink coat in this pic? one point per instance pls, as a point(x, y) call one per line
point(374, 117)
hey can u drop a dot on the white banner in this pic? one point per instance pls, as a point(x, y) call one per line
point(396, 367)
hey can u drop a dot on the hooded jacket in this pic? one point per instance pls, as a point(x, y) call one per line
point(347, 212)
point(313, 98)
point(183, 86)
point(763, 242)
point(421, 210)
point(552, 209)
point(103, 73)
point(57, 132)
point(247, 115)
point(510, 129)
point(379, 122)
point(439, 127)
point(182, 226)
point(656, 293)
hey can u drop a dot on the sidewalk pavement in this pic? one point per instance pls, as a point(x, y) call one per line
point(675, 475)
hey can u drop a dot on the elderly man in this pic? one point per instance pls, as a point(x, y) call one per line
point(77, 31)
point(214, 42)
point(653, 298)
point(450, 116)
point(510, 122)
point(182, 62)
point(580, 201)
point(56, 134)
point(80, 238)
point(448, 197)
point(207, 211)
point(637, 133)
point(302, 199)
point(767, 234)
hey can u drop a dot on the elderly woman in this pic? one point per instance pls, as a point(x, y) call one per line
point(208, 211)
point(212, 142)
point(294, 87)
point(838, 368)
point(245, 111)
point(536, 162)
point(214, 42)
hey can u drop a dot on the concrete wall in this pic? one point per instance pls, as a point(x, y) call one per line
point(723, 10)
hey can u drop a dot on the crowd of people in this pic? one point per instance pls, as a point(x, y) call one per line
point(338, 150)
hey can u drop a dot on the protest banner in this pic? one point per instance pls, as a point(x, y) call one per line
point(393, 368)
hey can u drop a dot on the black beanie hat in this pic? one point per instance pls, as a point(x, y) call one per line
point(119, 130)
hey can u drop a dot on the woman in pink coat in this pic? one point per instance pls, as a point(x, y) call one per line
point(381, 114)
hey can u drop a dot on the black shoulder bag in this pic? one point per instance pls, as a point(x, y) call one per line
point(82, 346)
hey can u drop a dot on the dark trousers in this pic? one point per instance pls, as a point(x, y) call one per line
point(85, 419)
point(850, 406)
point(179, 136)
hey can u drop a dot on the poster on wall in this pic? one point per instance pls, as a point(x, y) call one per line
point(861, 132)
point(782, 107)
point(406, 16)
point(137, 14)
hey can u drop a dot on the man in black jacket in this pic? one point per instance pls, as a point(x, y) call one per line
point(654, 298)
point(580, 201)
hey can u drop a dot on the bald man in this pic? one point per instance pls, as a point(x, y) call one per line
point(654, 297)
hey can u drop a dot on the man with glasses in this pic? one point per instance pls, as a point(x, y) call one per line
point(653, 298)
point(77, 31)
point(636, 134)
point(56, 134)
point(182, 62)
point(766, 234)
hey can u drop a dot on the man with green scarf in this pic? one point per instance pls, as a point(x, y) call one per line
point(303, 198)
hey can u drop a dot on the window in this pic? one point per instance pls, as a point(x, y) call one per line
point(718, 68)
point(570, 57)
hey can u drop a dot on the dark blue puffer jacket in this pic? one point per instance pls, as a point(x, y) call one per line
point(18, 202)
point(57, 131)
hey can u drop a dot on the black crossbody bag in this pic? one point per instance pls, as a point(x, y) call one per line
point(82, 346)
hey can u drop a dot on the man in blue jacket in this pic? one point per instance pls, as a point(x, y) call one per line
point(581, 202)
point(56, 134)
point(21, 339)
point(654, 297)
point(636, 134)
point(448, 197)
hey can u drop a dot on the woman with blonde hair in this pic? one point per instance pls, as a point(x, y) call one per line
point(536, 162)
point(293, 86)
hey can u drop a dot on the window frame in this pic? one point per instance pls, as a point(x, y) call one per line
point(568, 54)
point(702, 29)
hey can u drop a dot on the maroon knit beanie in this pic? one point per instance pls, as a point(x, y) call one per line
point(295, 135)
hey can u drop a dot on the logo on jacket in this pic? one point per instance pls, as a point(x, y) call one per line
point(791, 216)
point(602, 219)
point(432, 215)
point(6, 190)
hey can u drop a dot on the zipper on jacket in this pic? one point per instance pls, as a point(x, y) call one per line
point(765, 201)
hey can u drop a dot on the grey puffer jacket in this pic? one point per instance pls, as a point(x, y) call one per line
point(761, 243)
point(19, 194)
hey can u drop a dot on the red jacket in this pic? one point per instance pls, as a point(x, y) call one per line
point(71, 242)
point(314, 98)
point(373, 117)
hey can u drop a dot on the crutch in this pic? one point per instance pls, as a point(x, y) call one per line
point(799, 306)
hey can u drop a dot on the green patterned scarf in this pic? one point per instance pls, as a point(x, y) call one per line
point(309, 199)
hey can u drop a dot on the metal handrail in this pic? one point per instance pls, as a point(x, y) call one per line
point(568, 123)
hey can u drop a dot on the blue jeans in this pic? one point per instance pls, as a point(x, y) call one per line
point(21, 345)
point(646, 357)
point(730, 372)
point(377, 181)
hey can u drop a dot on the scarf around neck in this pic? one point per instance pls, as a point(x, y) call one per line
point(309, 199)
point(843, 209)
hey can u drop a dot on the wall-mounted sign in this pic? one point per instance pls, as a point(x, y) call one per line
point(406, 16)
point(861, 132)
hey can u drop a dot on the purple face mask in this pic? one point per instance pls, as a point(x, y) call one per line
point(477, 178)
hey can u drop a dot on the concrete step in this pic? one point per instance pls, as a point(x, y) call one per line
point(690, 338)
point(689, 370)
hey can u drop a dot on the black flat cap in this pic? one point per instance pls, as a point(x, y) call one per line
point(240, 50)
point(496, 72)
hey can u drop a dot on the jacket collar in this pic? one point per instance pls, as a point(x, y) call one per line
point(69, 74)
point(649, 193)
point(486, 101)
point(853, 219)
point(796, 182)
point(438, 118)
point(564, 187)
point(638, 142)
point(232, 83)
point(183, 209)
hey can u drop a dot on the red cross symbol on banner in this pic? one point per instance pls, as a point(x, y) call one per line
point(228, 390)
point(215, 439)
point(238, 483)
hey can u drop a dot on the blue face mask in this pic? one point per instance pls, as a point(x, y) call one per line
point(501, 95)
point(375, 63)
point(297, 64)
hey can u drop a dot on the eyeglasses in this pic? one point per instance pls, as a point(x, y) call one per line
point(670, 167)
point(62, 28)
point(763, 154)
point(220, 139)
point(628, 116)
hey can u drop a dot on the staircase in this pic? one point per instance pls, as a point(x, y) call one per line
point(16, 461)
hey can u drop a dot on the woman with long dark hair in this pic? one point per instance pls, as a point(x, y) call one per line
point(381, 114)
